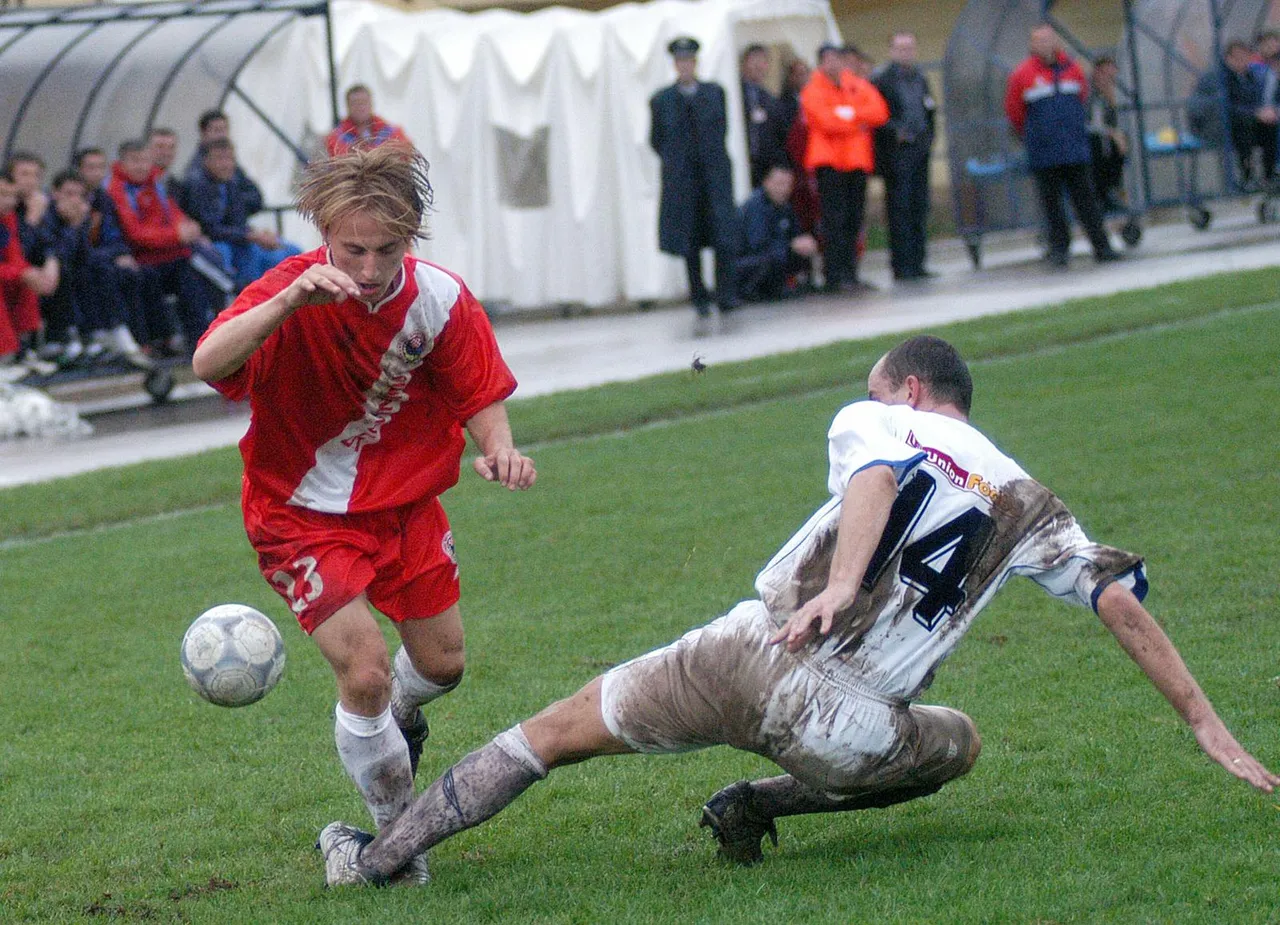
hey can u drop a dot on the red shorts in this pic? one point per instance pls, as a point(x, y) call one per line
point(403, 559)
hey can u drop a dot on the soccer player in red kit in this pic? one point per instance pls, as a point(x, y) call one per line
point(362, 365)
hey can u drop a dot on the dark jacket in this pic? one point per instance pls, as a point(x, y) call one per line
point(767, 232)
point(688, 132)
point(106, 240)
point(1045, 104)
point(220, 208)
point(912, 113)
point(1205, 109)
point(250, 193)
point(765, 125)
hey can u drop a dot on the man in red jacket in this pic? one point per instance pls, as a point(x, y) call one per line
point(21, 285)
point(362, 128)
point(1045, 102)
point(841, 110)
point(161, 237)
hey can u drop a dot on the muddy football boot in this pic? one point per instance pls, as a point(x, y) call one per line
point(737, 826)
point(415, 735)
point(340, 846)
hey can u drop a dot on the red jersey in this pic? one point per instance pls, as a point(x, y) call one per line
point(348, 135)
point(359, 407)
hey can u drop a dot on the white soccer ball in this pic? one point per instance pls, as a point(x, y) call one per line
point(232, 655)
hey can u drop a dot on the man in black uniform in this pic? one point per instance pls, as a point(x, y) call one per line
point(687, 131)
point(903, 145)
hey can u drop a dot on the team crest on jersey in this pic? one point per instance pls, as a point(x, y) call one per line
point(446, 544)
point(412, 346)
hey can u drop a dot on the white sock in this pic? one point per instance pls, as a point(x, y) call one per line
point(376, 758)
point(410, 690)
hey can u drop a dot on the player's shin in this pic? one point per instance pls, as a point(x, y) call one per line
point(476, 788)
point(375, 756)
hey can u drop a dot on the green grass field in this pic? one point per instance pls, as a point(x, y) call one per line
point(1154, 415)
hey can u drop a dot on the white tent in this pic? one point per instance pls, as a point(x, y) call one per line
point(536, 127)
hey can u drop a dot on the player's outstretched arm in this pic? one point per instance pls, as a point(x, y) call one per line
point(868, 498)
point(1144, 640)
point(229, 345)
point(499, 460)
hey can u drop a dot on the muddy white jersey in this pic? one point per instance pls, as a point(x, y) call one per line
point(966, 518)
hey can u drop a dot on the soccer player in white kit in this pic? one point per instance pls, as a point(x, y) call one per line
point(926, 520)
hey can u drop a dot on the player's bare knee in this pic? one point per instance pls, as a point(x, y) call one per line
point(366, 685)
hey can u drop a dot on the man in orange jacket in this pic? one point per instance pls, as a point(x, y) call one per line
point(841, 110)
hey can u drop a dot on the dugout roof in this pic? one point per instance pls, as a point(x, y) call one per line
point(97, 75)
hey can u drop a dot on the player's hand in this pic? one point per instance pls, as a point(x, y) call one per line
point(126, 262)
point(822, 609)
point(188, 231)
point(1222, 747)
point(319, 284)
point(507, 466)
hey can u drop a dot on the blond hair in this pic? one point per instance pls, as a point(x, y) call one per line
point(388, 182)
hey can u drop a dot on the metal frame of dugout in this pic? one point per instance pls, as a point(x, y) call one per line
point(106, 72)
point(1172, 167)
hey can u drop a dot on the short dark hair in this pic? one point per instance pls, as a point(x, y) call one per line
point(21, 157)
point(161, 130)
point(131, 146)
point(1266, 34)
point(1240, 44)
point(357, 88)
point(64, 177)
point(753, 49)
point(1103, 60)
point(210, 116)
point(77, 159)
point(936, 364)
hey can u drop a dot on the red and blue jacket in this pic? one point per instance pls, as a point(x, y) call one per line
point(1045, 104)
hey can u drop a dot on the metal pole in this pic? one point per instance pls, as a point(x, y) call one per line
point(1140, 143)
point(333, 63)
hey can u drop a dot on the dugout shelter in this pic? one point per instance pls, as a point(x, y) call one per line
point(536, 125)
point(1162, 49)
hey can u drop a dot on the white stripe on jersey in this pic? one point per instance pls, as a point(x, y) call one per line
point(328, 485)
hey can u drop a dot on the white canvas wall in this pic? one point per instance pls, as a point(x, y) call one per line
point(453, 80)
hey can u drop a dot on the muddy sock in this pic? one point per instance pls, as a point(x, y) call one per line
point(476, 788)
point(785, 796)
point(410, 690)
point(376, 758)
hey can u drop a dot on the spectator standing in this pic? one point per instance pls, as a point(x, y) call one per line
point(797, 76)
point(841, 110)
point(161, 237)
point(362, 128)
point(774, 251)
point(766, 129)
point(687, 131)
point(21, 286)
point(1045, 102)
point(903, 147)
point(218, 202)
point(1108, 145)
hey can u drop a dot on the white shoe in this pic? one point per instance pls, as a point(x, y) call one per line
point(38, 366)
point(340, 846)
point(122, 339)
point(13, 372)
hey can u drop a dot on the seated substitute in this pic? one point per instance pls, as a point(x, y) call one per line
point(164, 242)
point(21, 286)
point(217, 201)
point(854, 615)
point(88, 283)
point(774, 253)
